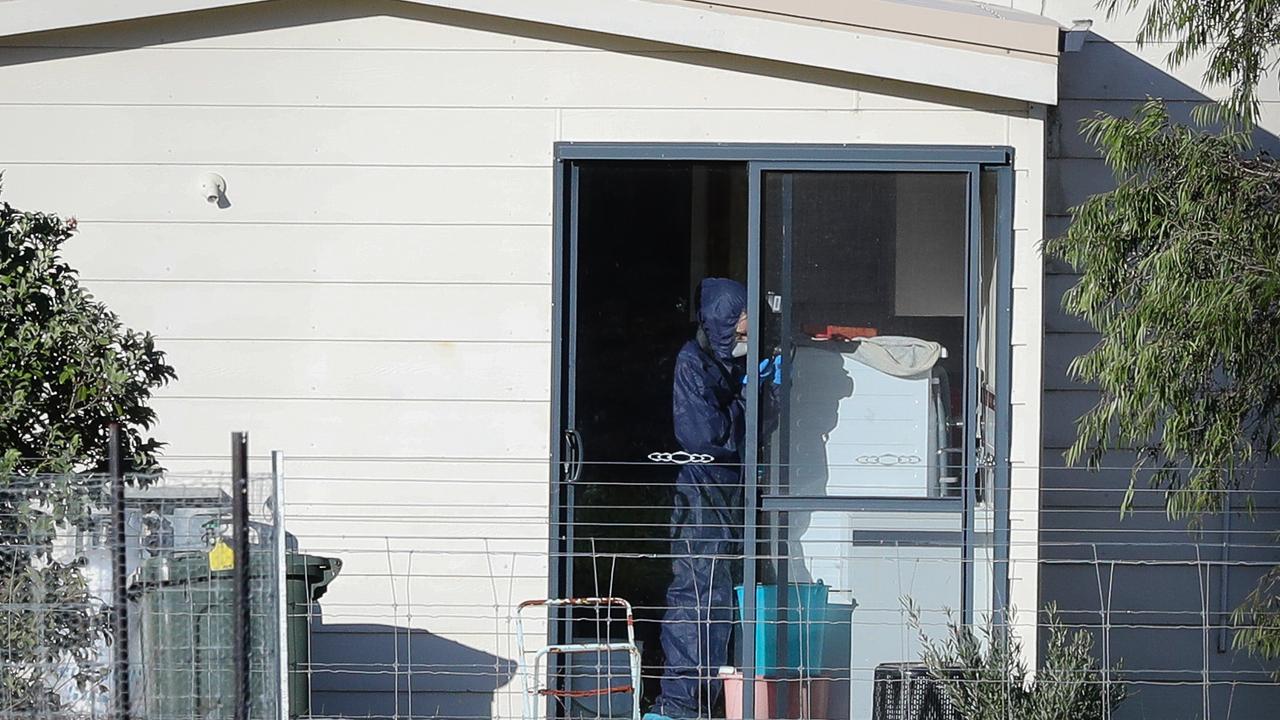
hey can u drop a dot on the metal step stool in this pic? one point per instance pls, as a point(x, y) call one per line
point(536, 689)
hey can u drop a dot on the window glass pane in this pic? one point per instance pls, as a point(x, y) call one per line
point(865, 296)
point(849, 574)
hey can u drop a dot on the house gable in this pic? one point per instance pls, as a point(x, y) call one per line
point(940, 43)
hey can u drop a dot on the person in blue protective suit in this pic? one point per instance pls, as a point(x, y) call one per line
point(710, 420)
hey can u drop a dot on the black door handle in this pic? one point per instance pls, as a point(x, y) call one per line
point(572, 464)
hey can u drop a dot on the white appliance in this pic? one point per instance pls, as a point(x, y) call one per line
point(858, 431)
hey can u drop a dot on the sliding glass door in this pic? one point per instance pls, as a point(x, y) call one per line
point(873, 465)
point(877, 412)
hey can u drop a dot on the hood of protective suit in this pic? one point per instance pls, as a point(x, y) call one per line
point(722, 304)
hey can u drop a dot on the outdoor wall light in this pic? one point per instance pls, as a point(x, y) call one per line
point(213, 187)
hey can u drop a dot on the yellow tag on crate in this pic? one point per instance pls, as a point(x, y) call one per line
point(221, 557)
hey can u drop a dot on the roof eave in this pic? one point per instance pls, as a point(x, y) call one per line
point(978, 70)
point(21, 17)
point(1029, 78)
point(973, 23)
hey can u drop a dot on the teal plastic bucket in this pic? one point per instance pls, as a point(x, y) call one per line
point(805, 619)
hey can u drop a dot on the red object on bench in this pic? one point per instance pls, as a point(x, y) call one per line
point(838, 332)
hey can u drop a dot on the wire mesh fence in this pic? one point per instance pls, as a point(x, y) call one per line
point(418, 569)
point(185, 608)
point(74, 647)
point(439, 553)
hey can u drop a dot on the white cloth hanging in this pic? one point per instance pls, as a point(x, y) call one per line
point(899, 356)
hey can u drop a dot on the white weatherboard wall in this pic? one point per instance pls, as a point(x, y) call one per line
point(376, 300)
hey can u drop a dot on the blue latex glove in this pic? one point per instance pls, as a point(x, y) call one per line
point(770, 366)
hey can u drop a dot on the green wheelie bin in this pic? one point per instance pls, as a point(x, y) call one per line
point(182, 619)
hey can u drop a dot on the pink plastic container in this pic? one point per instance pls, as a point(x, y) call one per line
point(807, 698)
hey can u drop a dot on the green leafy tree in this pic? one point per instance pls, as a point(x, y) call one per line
point(1180, 277)
point(1237, 38)
point(68, 369)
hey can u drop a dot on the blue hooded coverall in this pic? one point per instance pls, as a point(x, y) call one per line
point(707, 519)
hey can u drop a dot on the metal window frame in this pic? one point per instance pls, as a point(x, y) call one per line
point(775, 503)
point(784, 152)
point(1004, 247)
point(972, 160)
point(563, 257)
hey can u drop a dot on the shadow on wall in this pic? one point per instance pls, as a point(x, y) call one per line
point(403, 673)
point(1159, 582)
point(1106, 77)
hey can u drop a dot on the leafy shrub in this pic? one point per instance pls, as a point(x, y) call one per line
point(984, 677)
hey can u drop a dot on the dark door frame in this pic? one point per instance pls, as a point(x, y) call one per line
point(974, 161)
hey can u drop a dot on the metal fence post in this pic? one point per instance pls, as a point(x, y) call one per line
point(282, 580)
point(119, 570)
point(1223, 570)
point(240, 542)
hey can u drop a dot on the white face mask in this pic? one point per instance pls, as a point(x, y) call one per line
point(740, 349)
